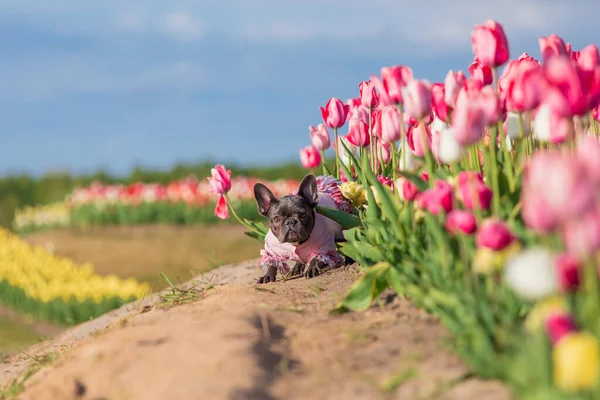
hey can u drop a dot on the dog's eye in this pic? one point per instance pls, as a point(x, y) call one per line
point(302, 215)
point(276, 219)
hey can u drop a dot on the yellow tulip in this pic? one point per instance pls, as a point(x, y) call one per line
point(354, 192)
point(576, 362)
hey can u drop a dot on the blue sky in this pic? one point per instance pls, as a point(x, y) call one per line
point(117, 83)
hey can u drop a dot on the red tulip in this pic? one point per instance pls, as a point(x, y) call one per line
point(319, 137)
point(220, 183)
point(490, 44)
point(310, 157)
point(494, 234)
point(438, 99)
point(453, 83)
point(481, 73)
point(389, 123)
point(459, 221)
point(417, 99)
point(358, 133)
point(559, 325)
point(474, 193)
point(567, 270)
point(221, 210)
point(334, 113)
point(368, 97)
point(552, 45)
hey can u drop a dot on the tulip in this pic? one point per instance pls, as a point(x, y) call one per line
point(473, 192)
point(582, 235)
point(536, 213)
point(538, 314)
point(559, 325)
point(490, 44)
point(531, 274)
point(551, 46)
point(409, 190)
point(344, 157)
point(525, 90)
point(394, 79)
point(460, 221)
point(358, 133)
point(494, 234)
point(569, 89)
point(389, 120)
point(449, 151)
point(438, 102)
point(221, 209)
point(437, 198)
point(354, 192)
point(576, 362)
point(417, 98)
point(514, 68)
point(310, 157)
point(588, 152)
point(319, 137)
point(414, 136)
point(551, 127)
point(334, 113)
point(407, 160)
point(384, 180)
point(453, 83)
point(567, 270)
point(368, 97)
point(512, 126)
point(220, 183)
point(589, 58)
point(352, 104)
point(384, 151)
point(481, 73)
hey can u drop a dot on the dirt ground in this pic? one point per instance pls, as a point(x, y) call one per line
point(243, 341)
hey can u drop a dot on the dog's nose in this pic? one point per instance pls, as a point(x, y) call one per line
point(291, 222)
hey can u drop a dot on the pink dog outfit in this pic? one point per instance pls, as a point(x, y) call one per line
point(321, 242)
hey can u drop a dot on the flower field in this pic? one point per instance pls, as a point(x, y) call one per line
point(488, 213)
point(187, 201)
point(37, 283)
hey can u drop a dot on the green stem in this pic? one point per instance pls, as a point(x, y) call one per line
point(402, 136)
point(493, 165)
point(428, 154)
point(508, 157)
point(372, 149)
point(323, 162)
point(394, 162)
point(247, 226)
point(337, 156)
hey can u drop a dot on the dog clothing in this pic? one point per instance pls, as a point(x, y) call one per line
point(321, 242)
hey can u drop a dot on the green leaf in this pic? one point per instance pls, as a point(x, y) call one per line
point(346, 220)
point(367, 288)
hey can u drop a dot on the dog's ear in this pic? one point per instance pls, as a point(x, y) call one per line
point(264, 198)
point(308, 189)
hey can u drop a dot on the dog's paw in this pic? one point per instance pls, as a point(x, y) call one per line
point(315, 268)
point(297, 270)
point(270, 276)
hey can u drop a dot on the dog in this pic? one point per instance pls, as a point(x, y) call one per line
point(297, 233)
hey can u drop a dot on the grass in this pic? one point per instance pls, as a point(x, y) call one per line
point(18, 385)
point(183, 293)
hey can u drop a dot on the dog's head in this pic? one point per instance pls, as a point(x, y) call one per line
point(291, 218)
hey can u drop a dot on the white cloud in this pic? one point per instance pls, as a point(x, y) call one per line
point(183, 26)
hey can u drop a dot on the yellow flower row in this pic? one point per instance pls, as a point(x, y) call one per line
point(46, 277)
point(49, 215)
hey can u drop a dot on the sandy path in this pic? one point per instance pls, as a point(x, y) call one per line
point(240, 342)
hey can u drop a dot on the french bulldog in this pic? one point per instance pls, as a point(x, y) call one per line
point(297, 233)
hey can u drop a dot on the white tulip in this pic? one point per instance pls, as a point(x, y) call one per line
point(449, 150)
point(407, 158)
point(531, 274)
point(512, 126)
point(541, 123)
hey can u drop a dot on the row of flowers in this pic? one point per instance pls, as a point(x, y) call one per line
point(188, 201)
point(45, 286)
point(488, 215)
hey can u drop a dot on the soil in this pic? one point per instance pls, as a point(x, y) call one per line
point(243, 341)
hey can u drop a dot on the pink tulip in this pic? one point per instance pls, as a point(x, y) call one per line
point(221, 209)
point(473, 192)
point(596, 113)
point(569, 88)
point(414, 136)
point(459, 221)
point(438, 99)
point(536, 213)
point(468, 119)
point(490, 44)
point(522, 83)
point(551, 46)
point(558, 325)
point(358, 133)
point(384, 151)
point(310, 157)
point(437, 198)
point(588, 152)
point(550, 126)
point(409, 190)
point(567, 268)
point(319, 137)
point(393, 79)
point(589, 58)
point(559, 181)
point(384, 180)
point(368, 97)
point(417, 98)
point(481, 73)
point(490, 104)
point(494, 234)
point(334, 113)
point(389, 122)
point(514, 68)
point(454, 82)
point(352, 104)
point(582, 235)
point(220, 183)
